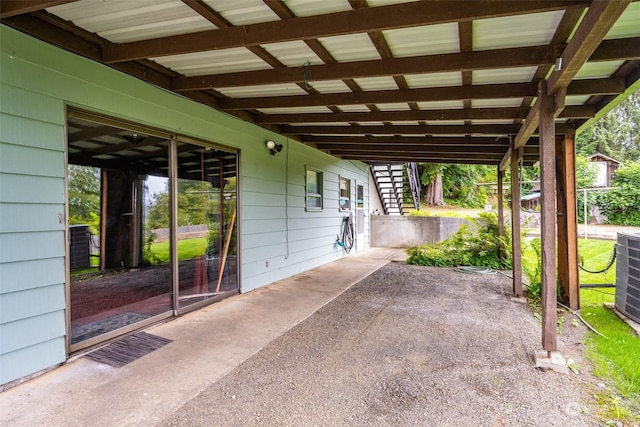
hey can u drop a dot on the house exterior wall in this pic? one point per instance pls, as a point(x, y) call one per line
point(278, 237)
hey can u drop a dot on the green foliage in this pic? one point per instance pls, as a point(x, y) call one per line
point(196, 199)
point(586, 175)
point(459, 182)
point(148, 256)
point(532, 268)
point(616, 134)
point(615, 357)
point(622, 205)
point(84, 196)
point(473, 245)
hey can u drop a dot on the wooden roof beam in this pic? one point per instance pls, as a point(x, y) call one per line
point(624, 49)
point(399, 148)
point(9, 8)
point(478, 60)
point(327, 25)
point(609, 86)
point(488, 129)
point(597, 22)
point(448, 141)
point(570, 112)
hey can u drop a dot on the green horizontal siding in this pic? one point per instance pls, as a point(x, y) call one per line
point(30, 274)
point(30, 189)
point(32, 302)
point(37, 82)
point(30, 246)
point(31, 217)
point(30, 331)
point(28, 360)
point(31, 161)
point(27, 132)
point(32, 221)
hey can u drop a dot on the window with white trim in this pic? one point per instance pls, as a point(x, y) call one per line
point(313, 187)
point(345, 194)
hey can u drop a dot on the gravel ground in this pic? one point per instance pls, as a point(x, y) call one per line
point(407, 346)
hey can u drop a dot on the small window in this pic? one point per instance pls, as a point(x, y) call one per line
point(360, 196)
point(314, 190)
point(345, 194)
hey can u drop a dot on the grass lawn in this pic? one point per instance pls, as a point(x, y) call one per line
point(187, 249)
point(616, 358)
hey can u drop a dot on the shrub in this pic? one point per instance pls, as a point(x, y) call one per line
point(474, 245)
point(622, 205)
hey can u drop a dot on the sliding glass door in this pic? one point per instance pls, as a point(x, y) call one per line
point(152, 226)
point(207, 223)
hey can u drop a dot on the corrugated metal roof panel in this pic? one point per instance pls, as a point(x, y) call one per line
point(320, 124)
point(375, 3)
point(515, 31)
point(243, 12)
point(394, 106)
point(330, 86)
point(628, 25)
point(214, 62)
point(350, 48)
point(377, 83)
point(263, 90)
point(434, 79)
point(598, 70)
point(371, 123)
point(120, 21)
point(437, 105)
point(294, 110)
point(576, 99)
point(354, 108)
point(491, 122)
point(498, 102)
point(445, 122)
point(504, 75)
point(293, 54)
point(317, 7)
point(424, 40)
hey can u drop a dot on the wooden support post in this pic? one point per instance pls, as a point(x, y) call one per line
point(500, 212)
point(567, 221)
point(515, 221)
point(548, 218)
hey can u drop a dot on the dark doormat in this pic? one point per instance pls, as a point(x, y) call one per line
point(128, 349)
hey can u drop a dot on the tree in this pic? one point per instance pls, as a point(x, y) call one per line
point(431, 180)
point(616, 134)
point(456, 183)
point(84, 196)
point(622, 205)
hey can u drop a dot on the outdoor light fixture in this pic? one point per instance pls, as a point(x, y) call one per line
point(273, 147)
point(134, 138)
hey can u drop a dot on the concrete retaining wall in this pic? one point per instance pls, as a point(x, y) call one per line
point(407, 231)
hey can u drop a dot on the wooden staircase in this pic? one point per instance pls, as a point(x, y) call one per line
point(393, 182)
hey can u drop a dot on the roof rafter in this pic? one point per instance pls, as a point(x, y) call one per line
point(492, 91)
point(448, 141)
point(334, 24)
point(570, 112)
point(477, 60)
point(10, 8)
point(467, 129)
point(598, 20)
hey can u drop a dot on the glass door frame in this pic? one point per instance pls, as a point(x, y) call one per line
point(173, 236)
point(173, 221)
